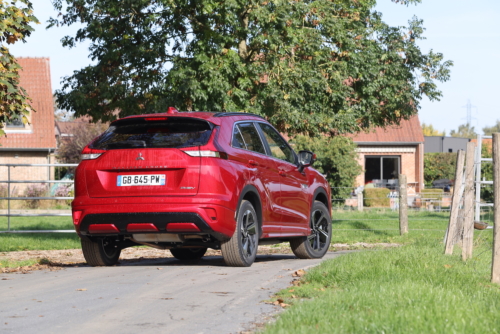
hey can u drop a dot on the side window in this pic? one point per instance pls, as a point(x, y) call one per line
point(238, 139)
point(251, 138)
point(279, 147)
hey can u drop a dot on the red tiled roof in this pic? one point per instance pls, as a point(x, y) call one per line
point(35, 79)
point(408, 131)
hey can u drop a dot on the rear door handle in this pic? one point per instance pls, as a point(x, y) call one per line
point(253, 163)
point(282, 173)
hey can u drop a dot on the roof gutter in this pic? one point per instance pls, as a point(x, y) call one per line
point(387, 143)
point(13, 149)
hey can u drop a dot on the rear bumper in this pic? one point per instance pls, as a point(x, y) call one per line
point(215, 220)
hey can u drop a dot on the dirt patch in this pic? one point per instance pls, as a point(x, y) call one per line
point(57, 259)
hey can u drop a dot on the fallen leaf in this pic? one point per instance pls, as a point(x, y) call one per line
point(81, 289)
point(276, 303)
point(159, 268)
point(284, 305)
point(296, 282)
point(299, 273)
point(280, 300)
point(291, 290)
point(447, 266)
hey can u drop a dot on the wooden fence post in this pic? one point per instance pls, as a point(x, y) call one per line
point(360, 201)
point(468, 221)
point(455, 203)
point(403, 205)
point(495, 263)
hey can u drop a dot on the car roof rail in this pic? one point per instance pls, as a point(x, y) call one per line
point(227, 114)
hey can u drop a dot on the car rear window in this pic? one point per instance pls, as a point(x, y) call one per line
point(140, 133)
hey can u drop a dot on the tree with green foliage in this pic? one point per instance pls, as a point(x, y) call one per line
point(429, 130)
point(15, 19)
point(310, 67)
point(464, 131)
point(439, 166)
point(336, 159)
point(489, 130)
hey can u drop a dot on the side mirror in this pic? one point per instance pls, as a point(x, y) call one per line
point(306, 158)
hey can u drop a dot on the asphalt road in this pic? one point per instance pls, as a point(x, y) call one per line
point(160, 296)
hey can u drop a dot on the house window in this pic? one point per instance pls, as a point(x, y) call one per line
point(15, 123)
point(381, 169)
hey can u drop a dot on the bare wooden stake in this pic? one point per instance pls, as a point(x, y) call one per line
point(495, 263)
point(403, 205)
point(455, 203)
point(468, 222)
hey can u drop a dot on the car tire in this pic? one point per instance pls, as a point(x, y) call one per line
point(241, 249)
point(187, 254)
point(100, 252)
point(316, 244)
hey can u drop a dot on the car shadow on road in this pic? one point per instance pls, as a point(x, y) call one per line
point(206, 261)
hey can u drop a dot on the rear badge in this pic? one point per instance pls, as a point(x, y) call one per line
point(139, 157)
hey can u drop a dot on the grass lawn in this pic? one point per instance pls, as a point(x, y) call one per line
point(410, 289)
point(37, 241)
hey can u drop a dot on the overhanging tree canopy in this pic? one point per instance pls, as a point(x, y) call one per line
point(308, 66)
point(15, 20)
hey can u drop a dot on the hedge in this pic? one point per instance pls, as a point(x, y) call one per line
point(376, 197)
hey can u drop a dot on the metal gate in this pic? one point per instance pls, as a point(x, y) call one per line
point(9, 198)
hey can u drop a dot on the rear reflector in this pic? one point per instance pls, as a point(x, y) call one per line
point(141, 227)
point(182, 227)
point(76, 217)
point(103, 228)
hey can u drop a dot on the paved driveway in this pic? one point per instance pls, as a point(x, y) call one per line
point(150, 296)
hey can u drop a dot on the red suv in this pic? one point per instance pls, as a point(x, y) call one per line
point(188, 181)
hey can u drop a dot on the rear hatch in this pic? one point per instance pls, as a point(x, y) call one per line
point(145, 157)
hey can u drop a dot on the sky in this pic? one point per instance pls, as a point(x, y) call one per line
point(465, 31)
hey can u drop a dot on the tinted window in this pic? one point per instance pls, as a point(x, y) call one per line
point(169, 133)
point(238, 141)
point(279, 147)
point(251, 137)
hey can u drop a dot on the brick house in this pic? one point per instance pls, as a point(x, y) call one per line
point(32, 143)
point(386, 153)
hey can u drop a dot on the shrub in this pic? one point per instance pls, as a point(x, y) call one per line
point(376, 197)
point(65, 190)
point(337, 159)
point(35, 190)
point(439, 166)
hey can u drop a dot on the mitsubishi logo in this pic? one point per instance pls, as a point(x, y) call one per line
point(139, 157)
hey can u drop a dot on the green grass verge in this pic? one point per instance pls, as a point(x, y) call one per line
point(383, 226)
point(409, 289)
point(37, 241)
point(5, 263)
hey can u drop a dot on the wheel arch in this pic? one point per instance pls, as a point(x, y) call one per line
point(321, 195)
point(251, 194)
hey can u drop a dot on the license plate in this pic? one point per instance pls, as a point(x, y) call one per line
point(141, 180)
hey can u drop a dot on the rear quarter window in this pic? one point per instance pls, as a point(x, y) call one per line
point(169, 133)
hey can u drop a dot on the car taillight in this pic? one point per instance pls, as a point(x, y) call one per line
point(207, 153)
point(91, 154)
